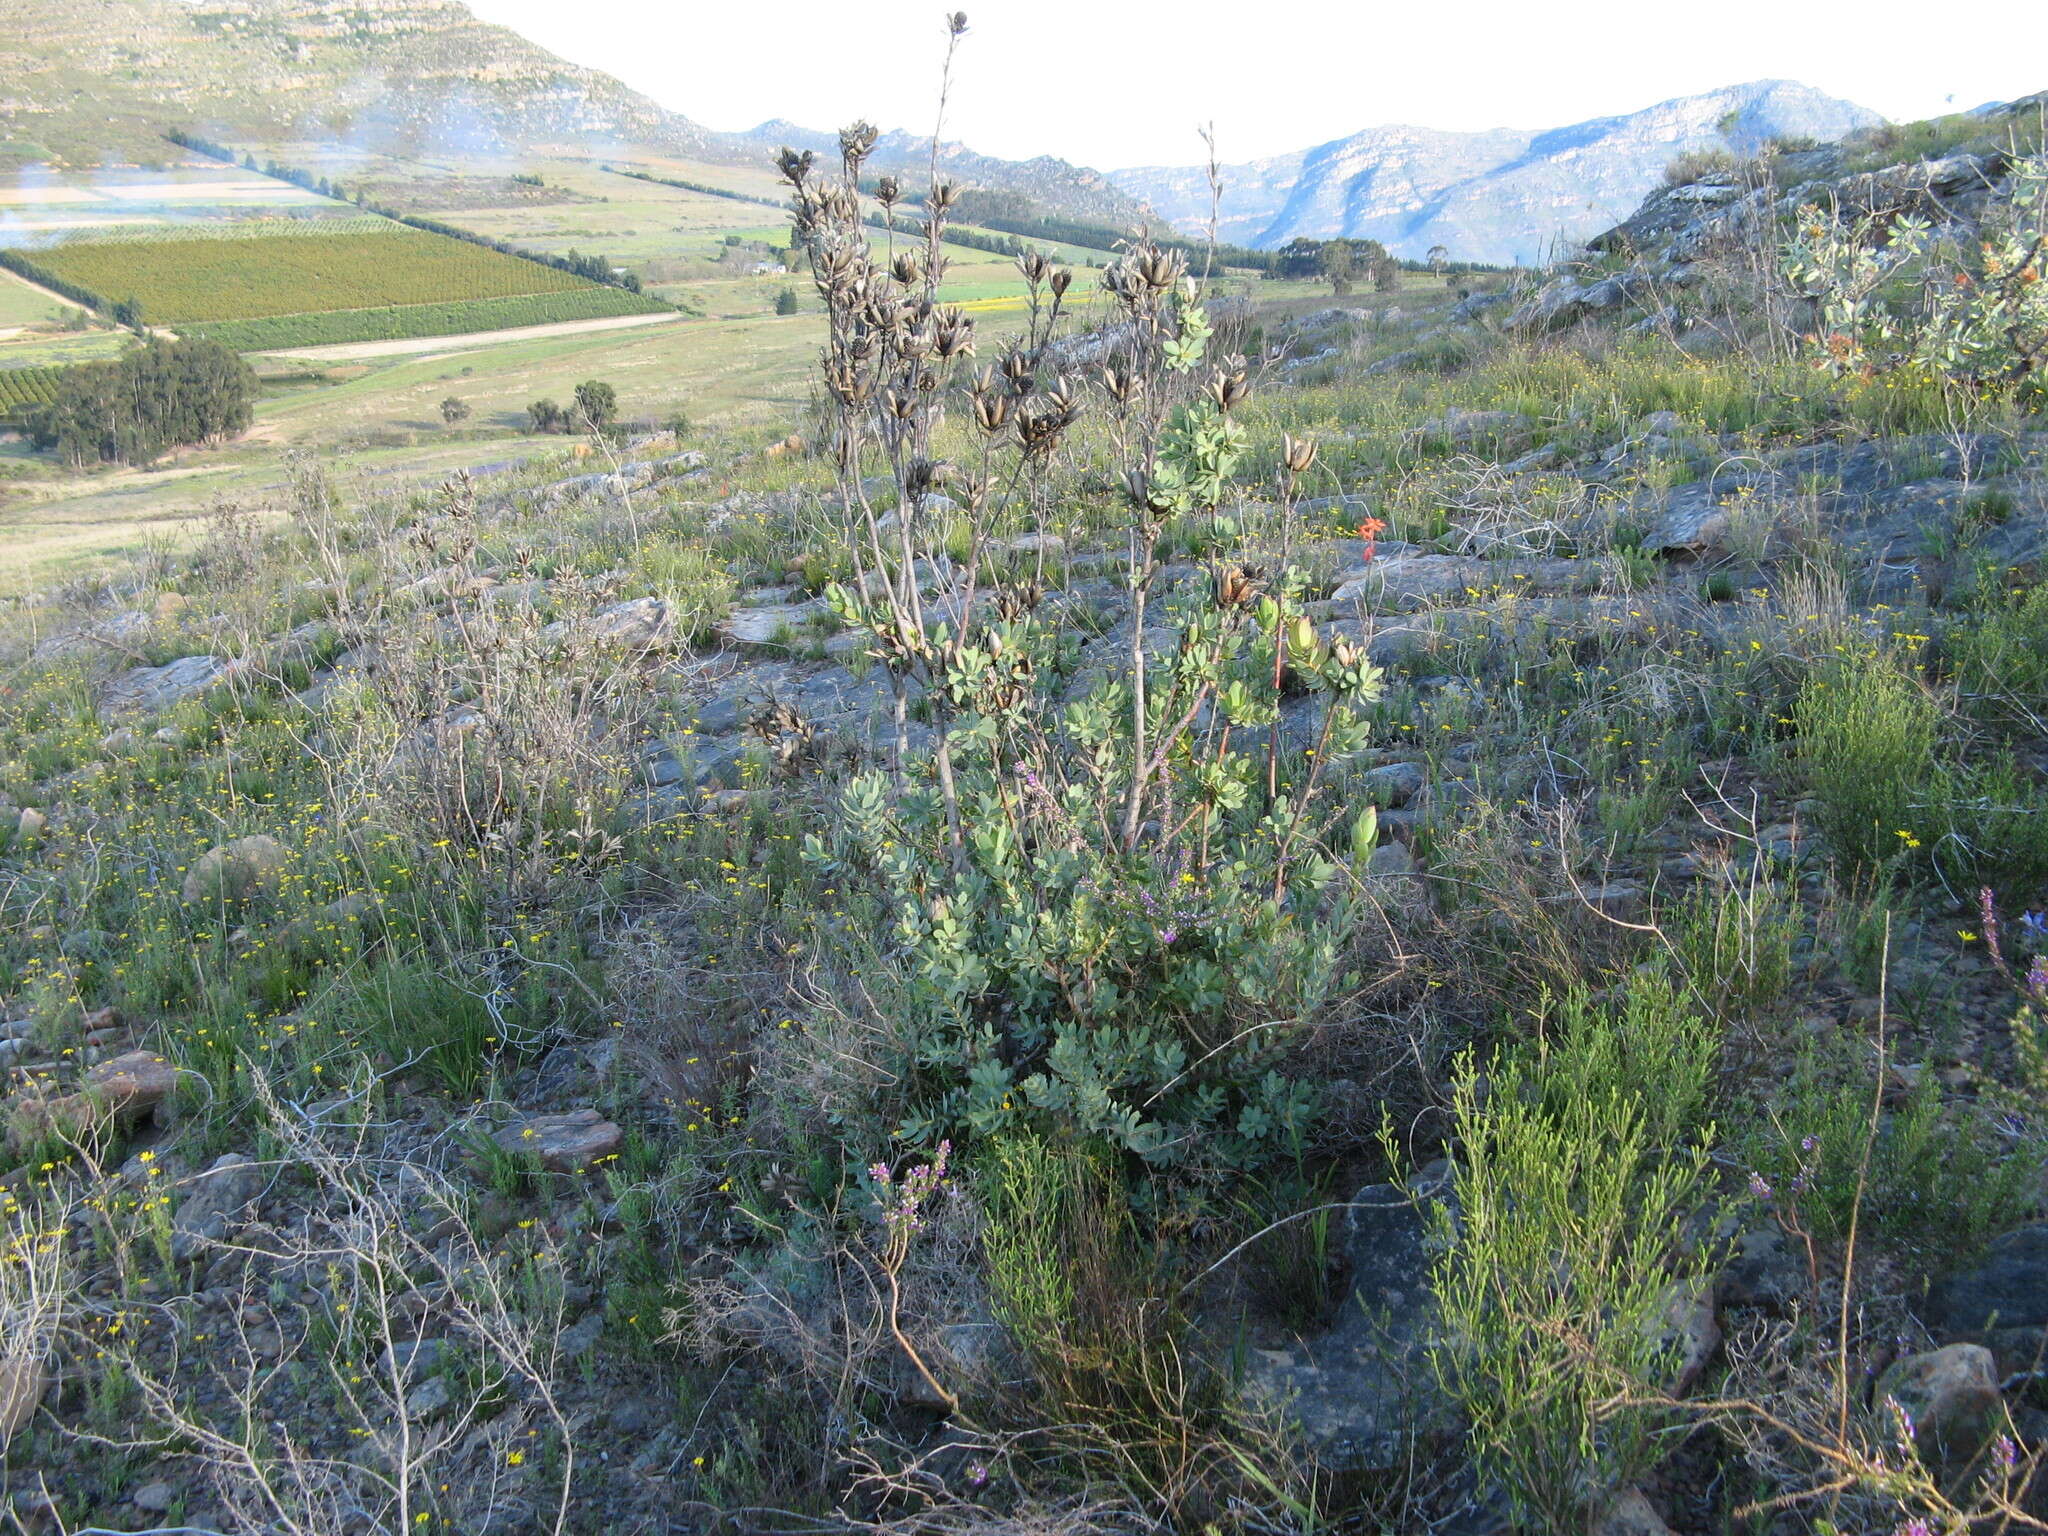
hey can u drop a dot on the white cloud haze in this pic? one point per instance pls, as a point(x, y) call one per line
point(1112, 85)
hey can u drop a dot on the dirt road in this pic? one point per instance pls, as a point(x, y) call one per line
point(345, 351)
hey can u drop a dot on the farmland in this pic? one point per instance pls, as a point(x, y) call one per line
point(181, 282)
point(395, 322)
point(22, 388)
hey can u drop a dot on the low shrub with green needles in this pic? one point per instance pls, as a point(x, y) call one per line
point(1567, 1251)
point(1867, 734)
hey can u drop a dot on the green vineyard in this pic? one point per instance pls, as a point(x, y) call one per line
point(22, 389)
point(186, 282)
point(402, 322)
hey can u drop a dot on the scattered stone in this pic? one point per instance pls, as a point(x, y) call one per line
point(1951, 1397)
point(154, 1498)
point(565, 1143)
point(29, 825)
point(580, 1337)
point(1764, 1271)
point(1689, 1327)
point(234, 872)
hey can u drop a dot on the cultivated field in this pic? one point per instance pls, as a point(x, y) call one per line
point(258, 271)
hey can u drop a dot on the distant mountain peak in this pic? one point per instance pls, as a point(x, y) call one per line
point(1500, 194)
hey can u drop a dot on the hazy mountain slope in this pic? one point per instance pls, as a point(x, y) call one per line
point(1055, 184)
point(1503, 195)
point(91, 81)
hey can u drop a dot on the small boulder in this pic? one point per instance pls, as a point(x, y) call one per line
point(1950, 1399)
point(1393, 785)
point(640, 625)
point(1628, 1513)
point(154, 1498)
point(564, 1143)
point(217, 1200)
point(2002, 1301)
point(1362, 1390)
point(234, 872)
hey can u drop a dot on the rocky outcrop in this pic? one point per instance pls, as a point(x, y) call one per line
point(1363, 1390)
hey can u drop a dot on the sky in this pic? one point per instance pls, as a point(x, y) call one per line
point(1120, 84)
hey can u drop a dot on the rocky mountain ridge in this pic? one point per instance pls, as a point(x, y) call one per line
point(1505, 195)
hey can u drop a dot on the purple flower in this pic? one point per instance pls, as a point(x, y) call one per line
point(1167, 936)
point(1759, 1186)
point(2005, 1453)
point(2036, 923)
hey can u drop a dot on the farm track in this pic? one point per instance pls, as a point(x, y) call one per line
point(345, 351)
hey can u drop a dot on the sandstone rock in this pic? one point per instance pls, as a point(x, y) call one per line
point(639, 625)
point(117, 1091)
point(1466, 429)
point(1050, 545)
point(2002, 1301)
point(234, 872)
point(215, 1204)
point(565, 1143)
point(1399, 581)
point(764, 626)
point(1393, 785)
point(1688, 1327)
point(1628, 1513)
point(147, 690)
point(119, 632)
point(1951, 1397)
point(23, 1376)
point(1764, 1271)
point(1394, 878)
point(429, 1400)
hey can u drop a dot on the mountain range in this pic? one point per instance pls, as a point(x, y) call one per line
point(1504, 195)
point(87, 82)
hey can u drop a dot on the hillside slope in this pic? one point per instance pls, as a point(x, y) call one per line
point(1054, 184)
point(1506, 195)
point(89, 82)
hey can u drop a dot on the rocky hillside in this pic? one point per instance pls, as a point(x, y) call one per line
point(93, 81)
point(1507, 195)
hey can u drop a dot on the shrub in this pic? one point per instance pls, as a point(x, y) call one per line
point(1867, 731)
point(1579, 1160)
point(1931, 1178)
point(785, 302)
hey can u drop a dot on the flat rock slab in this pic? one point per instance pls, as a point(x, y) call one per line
point(146, 690)
point(766, 625)
point(564, 1143)
point(1405, 580)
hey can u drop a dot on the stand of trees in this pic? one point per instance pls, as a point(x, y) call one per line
point(595, 268)
point(594, 409)
point(160, 395)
